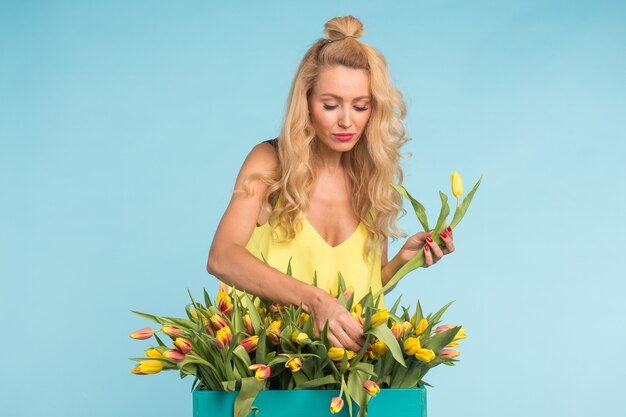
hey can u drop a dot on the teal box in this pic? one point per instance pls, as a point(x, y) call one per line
point(396, 402)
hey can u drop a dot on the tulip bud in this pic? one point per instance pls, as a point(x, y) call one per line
point(421, 326)
point(218, 321)
point(153, 353)
point(304, 317)
point(461, 334)
point(397, 330)
point(261, 371)
point(457, 187)
point(425, 355)
point(147, 367)
point(357, 308)
point(450, 353)
point(336, 354)
point(223, 337)
point(142, 334)
point(182, 345)
point(380, 317)
point(412, 345)
point(348, 292)
point(336, 404)
point(224, 303)
point(294, 364)
point(172, 331)
point(247, 322)
point(371, 387)
point(444, 327)
point(454, 343)
point(406, 327)
point(300, 338)
point(250, 343)
point(273, 309)
point(358, 319)
point(174, 355)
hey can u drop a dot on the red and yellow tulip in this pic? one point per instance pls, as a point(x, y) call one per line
point(142, 334)
point(371, 387)
point(250, 343)
point(182, 345)
point(336, 404)
point(261, 371)
point(294, 364)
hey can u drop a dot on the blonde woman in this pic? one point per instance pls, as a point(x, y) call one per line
point(318, 197)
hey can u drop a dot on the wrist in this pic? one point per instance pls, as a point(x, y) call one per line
point(312, 296)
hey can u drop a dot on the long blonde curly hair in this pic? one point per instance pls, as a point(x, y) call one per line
point(371, 165)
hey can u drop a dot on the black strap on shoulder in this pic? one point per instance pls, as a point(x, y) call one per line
point(273, 142)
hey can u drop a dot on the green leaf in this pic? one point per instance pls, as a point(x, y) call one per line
point(328, 379)
point(443, 214)
point(440, 340)
point(207, 299)
point(384, 333)
point(289, 272)
point(460, 211)
point(419, 209)
point(241, 353)
point(250, 388)
point(395, 305)
point(159, 341)
point(261, 347)
point(437, 316)
point(254, 313)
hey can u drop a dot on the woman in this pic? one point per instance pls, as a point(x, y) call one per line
point(319, 197)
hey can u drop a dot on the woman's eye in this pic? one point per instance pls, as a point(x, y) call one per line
point(329, 107)
point(363, 108)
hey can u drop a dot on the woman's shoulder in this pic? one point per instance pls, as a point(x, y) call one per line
point(263, 156)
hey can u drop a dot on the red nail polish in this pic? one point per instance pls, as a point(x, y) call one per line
point(443, 235)
point(449, 229)
point(429, 239)
point(426, 248)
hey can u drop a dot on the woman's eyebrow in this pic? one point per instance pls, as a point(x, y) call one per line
point(341, 98)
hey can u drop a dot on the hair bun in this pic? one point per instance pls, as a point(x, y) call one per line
point(339, 28)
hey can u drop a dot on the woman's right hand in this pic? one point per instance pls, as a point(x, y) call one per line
point(343, 330)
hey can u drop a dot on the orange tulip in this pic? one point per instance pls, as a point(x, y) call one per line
point(371, 387)
point(261, 371)
point(172, 331)
point(336, 404)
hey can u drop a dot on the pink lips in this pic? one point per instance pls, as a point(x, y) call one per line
point(344, 137)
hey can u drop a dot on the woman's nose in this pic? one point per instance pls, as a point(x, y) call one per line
point(344, 120)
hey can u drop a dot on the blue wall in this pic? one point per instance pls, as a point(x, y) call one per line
point(123, 126)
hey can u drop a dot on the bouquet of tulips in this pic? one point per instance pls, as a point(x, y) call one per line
point(242, 343)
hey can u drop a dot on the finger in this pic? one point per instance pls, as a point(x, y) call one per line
point(355, 332)
point(428, 256)
point(333, 340)
point(347, 342)
point(435, 249)
point(447, 239)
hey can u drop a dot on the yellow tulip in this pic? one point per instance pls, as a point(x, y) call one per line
point(250, 343)
point(294, 364)
point(147, 367)
point(182, 345)
point(425, 355)
point(153, 353)
point(422, 325)
point(261, 371)
point(412, 345)
point(223, 337)
point(397, 330)
point(461, 334)
point(380, 317)
point(247, 321)
point(304, 317)
point(379, 348)
point(336, 354)
point(457, 187)
point(300, 338)
point(224, 303)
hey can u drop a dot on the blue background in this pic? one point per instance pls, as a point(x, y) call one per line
point(123, 126)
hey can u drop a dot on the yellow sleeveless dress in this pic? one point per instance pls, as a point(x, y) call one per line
point(311, 255)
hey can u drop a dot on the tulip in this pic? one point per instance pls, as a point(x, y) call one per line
point(358, 319)
point(142, 334)
point(450, 353)
point(357, 308)
point(425, 355)
point(182, 345)
point(194, 313)
point(380, 317)
point(261, 371)
point(412, 345)
point(461, 334)
point(304, 317)
point(339, 364)
point(174, 355)
point(336, 404)
point(406, 327)
point(336, 354)
point(454, 343)
point(172, 331)
point(218, 321)
point(273, 309)
point(371, 387)
point(421, 326)
point(224, 303)
point(147, 367)
point(250, 343)
point(457, 187)
point(153, 353)
point(223, 337)
point(348, 292)
point(247, 322)
point(294, 364)
point(397, 330)
point(300, 338)
point(444, 328)
point(379, 348)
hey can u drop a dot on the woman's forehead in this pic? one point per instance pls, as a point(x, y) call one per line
point(342, 83)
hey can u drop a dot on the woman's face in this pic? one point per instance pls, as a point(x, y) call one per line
point(340, 106)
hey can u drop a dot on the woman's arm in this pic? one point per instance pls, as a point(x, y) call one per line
point(388, 269)
point(232, 263)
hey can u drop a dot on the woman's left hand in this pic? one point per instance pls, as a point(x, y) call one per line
point(432, 252)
